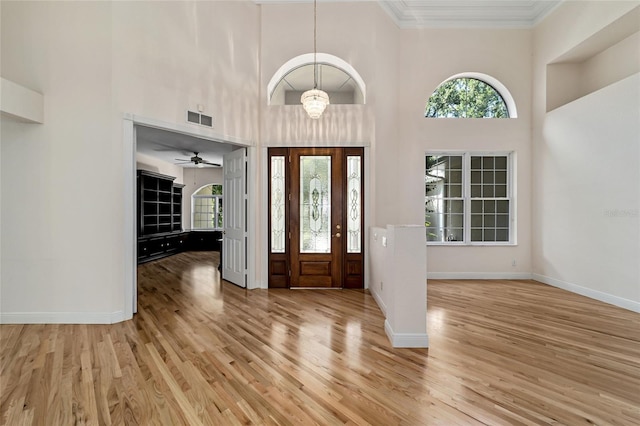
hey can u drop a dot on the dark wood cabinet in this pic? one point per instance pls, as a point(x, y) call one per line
point(155, 247)
point(204, 240)
point(159, 216)
point(159, 204)
point(160, 220)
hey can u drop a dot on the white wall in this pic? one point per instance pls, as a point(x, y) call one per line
point(590, 177)
point(172, 56)
point(21, 103)
point(61, 180)
point(598, 71)
point(399, 282)
point(287, 33)
point(405, 69)
point(586, 181)
point(427, 58)
point(152, 164)
point(62, 241)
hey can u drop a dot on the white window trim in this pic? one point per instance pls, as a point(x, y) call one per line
point(497, 85)
point(193, 211)
point(466, 185)
point(309, 59)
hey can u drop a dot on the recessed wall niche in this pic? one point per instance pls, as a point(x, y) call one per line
point(608, 56)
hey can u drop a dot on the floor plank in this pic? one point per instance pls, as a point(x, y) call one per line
point(203, 351)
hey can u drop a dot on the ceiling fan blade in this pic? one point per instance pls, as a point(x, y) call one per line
point(212, 164)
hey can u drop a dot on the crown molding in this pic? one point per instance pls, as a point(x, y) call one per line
point(468, 13)
point(457, 13)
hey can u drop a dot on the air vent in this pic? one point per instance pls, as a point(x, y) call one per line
point(201, 119)
point(193, 117)
point(205, 120)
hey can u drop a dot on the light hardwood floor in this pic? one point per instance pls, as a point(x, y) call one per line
point(204, 352)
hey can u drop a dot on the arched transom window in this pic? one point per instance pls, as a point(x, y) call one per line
point(470, 97)
point(335, 76)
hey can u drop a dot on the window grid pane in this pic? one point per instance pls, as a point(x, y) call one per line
point(444, 205)
point(207, 209)
point(487, 197)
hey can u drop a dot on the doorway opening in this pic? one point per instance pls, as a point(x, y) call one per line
point(174, 142)
point(316, 217)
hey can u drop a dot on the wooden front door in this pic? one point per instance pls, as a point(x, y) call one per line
point(316, 218)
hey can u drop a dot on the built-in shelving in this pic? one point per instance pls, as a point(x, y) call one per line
point(159, 216)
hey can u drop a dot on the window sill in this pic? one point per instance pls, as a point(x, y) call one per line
point(463, 244)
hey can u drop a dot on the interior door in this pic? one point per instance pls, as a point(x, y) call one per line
point(316, 218)
point(234, 240)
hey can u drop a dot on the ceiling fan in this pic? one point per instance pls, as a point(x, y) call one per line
point(198, 161)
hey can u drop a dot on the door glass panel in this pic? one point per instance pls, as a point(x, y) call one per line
point(354, 209)
point(277, 204)
point(315, 204)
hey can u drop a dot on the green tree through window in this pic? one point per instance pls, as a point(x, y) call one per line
point(466, 98)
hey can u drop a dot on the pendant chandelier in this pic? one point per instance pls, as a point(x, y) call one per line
point(314, 101)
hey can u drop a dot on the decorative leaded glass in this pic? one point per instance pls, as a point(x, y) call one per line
point(353, 204)
point(315, 204)
point(277, 204)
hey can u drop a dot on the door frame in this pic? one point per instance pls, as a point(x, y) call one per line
point(263, 220)
point(130, 246)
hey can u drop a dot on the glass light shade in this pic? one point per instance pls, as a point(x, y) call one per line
point(314, 101)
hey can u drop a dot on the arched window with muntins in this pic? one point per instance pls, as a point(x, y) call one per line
point(206, 208)
point(335, 76)
point(467, 97)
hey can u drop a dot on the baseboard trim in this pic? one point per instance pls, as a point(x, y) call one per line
point(406, 340)
point(593, 294)
point(62, 317)
point(379, 301)
point(479, 275)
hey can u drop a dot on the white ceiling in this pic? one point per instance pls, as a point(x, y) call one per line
point(172, 146)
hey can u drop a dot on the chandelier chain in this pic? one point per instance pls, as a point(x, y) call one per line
point(315, 50)
point(314, 101)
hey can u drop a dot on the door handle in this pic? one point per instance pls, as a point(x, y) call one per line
point(337, 234)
